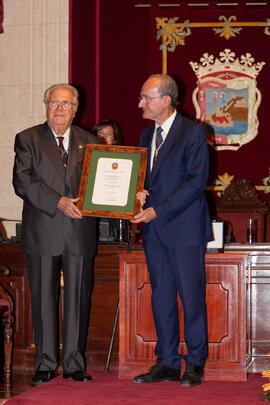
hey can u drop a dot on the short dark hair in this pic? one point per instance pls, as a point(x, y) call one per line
point(168, 87)
point(118, 136)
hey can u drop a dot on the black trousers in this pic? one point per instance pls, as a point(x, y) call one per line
point(44, 281)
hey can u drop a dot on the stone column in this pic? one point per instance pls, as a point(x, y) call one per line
point(33, 56)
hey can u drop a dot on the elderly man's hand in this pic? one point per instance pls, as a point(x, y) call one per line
point(144, 216)
point(68, 207)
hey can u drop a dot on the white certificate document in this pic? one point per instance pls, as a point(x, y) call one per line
point(112, 181)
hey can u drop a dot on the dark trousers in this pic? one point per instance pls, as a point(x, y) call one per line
point(178, 269)
point(44, 281)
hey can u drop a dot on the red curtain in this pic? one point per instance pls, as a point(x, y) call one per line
point(1, 16)
point(127, 50)
point(252, 159)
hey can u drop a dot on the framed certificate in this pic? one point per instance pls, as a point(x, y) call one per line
point(111, 177)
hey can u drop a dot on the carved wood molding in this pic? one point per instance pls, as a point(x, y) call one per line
point(241, 196)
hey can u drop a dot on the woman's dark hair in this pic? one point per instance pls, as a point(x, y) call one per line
point(118, 136)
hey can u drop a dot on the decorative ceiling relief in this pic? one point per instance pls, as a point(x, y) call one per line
point(227, 98)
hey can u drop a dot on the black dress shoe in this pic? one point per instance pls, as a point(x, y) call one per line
point(158, 373)
point(78, 375)
point(43, 376)
point(193, 375)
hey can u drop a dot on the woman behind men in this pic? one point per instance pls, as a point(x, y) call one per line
point(109, 132)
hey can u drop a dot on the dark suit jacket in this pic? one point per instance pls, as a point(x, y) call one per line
point(177, 185)
point(40, 179)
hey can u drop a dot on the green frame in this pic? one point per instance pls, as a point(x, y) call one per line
point(93, 153)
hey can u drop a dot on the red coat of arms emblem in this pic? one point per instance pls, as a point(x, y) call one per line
point(115, 165)
point(227, 98)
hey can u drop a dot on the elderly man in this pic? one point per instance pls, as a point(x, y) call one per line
point(176, 229)
point(55, 236)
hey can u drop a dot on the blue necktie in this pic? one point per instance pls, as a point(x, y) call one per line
point(159, 141)
point(159, 137)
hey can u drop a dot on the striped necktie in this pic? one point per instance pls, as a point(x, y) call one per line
point(62, 150)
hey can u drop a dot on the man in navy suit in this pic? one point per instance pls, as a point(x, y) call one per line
point(176, 229)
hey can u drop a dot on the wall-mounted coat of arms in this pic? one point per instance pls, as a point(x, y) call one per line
point(227, 98)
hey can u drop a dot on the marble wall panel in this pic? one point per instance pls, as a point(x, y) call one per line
point(33, 56)
point(10, 56)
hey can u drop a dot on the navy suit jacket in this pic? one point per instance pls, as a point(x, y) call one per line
point(177, 184)
point(40, 179)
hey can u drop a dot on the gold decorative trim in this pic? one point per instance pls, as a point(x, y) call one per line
point(173, 33)
point(198, 4)
point(253, 4)
point(62, 280)
point(224, 180)
point(33, 346)
point(160, 5)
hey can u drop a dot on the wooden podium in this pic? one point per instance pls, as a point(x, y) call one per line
point(226, 310)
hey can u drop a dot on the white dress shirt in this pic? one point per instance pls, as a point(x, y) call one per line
point(65, 140)
point(165, 130)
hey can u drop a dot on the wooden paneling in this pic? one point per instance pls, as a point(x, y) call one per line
point(258, 301)
point(17, 287)
point(225, 301)
point(238, 220)
point(103, 306)
point(226, 308)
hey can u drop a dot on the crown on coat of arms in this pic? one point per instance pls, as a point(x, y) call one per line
point(227, 62)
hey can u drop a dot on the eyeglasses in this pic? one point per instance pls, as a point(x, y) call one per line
point(54, 104)
point(147, 99)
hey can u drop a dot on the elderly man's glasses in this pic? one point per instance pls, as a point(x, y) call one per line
point(147, 99)
point(65, 104)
